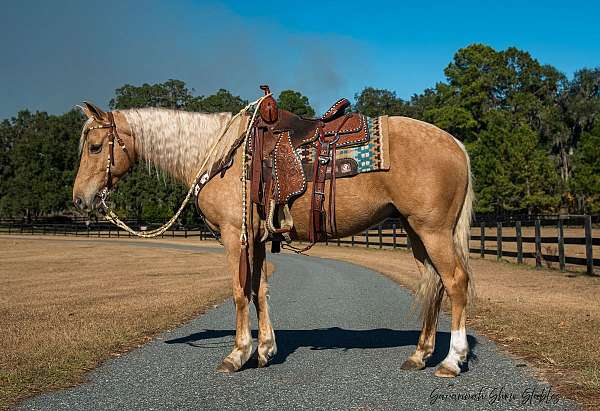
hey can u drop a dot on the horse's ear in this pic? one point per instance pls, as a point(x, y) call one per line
point(91, 110)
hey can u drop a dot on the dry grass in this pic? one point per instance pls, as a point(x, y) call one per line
point(548, 318)
point(67, 305)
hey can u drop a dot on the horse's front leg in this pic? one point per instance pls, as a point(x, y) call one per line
point(267, 348)
point(243, 339)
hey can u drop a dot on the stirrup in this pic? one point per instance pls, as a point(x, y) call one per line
point(286, 222)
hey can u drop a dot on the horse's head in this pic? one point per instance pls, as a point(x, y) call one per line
point(107, 153)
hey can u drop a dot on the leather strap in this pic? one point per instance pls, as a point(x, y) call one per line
point(325, 157)
point(322, 160)
point(256, 181)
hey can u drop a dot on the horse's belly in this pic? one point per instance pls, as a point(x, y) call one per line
point(360, 202)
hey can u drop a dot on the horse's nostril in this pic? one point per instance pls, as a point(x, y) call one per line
point(78, 202)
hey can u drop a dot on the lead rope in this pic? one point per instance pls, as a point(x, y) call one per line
point(114, 218)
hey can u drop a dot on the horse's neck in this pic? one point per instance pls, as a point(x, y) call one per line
point(176, 142)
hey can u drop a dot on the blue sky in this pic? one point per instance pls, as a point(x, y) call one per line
point(56, 54)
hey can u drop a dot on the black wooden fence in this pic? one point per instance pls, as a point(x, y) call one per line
point(83, 228)
point(389, 234)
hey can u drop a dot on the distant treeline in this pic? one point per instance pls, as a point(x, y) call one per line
point(533, 135)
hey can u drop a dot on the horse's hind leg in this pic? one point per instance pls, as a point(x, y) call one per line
point(267, 347)
point(243, 339)
point(430, 294)
point(442, 252)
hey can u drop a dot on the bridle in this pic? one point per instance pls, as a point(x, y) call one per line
point(112, 135)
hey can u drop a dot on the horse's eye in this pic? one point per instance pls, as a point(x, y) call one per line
point(95, 148)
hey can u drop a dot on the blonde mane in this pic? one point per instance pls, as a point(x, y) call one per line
point(177, 142)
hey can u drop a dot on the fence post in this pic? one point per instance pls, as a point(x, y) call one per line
point(380, 236)
point(367, 237)
point(339, 241)
point(588, 245)
point(9, 227)
point(561, 245)
point(538, 244)
point(499, 241)
point(352, 241)
point(519, 242)
point(482, 240)
point(394, 235)
point(185, 232)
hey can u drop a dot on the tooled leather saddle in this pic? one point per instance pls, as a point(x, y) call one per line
point(277, 175)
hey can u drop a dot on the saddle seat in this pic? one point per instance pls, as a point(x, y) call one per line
point(351, 128)
point(276, 172)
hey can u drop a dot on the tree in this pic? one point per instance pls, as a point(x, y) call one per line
point(170, 94)
point(6, 141)
point(512, 173)
point(39, 174)
point(295, 102)
point(378, 102)
point(585, 182)
point(580, 107)
point(220, 102)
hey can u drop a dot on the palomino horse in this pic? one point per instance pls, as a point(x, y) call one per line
point(428, 185)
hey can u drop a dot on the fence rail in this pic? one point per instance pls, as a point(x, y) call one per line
point(511, 238)
point(510, 233)
point(99, 230)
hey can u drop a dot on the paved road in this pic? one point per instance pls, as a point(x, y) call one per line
point(342, 332)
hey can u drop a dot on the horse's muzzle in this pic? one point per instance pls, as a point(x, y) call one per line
point(84, 205)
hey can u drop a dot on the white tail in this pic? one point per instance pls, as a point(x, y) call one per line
point(462, 230)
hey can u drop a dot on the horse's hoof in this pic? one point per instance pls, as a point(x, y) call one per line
point(262, 361)
point(226, 366)
point(412, 365)
point(264, 355)
point(444, 371)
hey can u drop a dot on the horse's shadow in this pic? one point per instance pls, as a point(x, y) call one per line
point(334, 338)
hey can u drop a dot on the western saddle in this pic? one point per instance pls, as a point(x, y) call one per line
point(277, 175)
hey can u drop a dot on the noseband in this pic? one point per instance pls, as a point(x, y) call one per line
point(110, 161)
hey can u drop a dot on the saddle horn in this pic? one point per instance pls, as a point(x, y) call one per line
point(268, 107)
